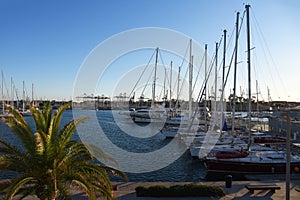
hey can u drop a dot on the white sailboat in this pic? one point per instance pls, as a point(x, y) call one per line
point(24, 111)
point(156, 113)
point(252, 161)
point(3, 112)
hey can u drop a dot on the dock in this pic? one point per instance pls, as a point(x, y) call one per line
point(126, 190)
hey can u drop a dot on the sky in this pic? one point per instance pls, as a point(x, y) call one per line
point(45, 43)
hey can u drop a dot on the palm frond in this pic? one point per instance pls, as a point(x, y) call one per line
point(47, 113)
point(84, 172)
point(104, 192)
point(12, 158)
point(27, 191)
point(93, 171)
point(75, 152)
point(14, 163)
point(115, 172)
point(7, 148)
point(69, 129)
point(49, 160)
point(39, 119)
point(99, 153)
point(55, 122)
point(101, 187)
point(64, 192)
point(16, 185)
point(22, 131)
point(41, 141)
point(16, 114)
point(83, 183)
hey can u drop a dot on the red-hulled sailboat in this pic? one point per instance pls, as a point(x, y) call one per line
point(252, 161)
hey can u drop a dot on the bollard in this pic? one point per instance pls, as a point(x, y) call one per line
point(228, 181)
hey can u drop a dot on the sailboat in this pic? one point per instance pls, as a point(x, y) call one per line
point(24, 111)
point(255, 162)
point(271, 161)
point(154, 114)
point(190, 123)
point(216, 136)
point(3, 112)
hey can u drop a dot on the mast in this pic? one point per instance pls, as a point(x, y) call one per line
point(164, 89)
point(224, 59)
point(154, 79)
point(235, 69)
point(257, 108)
point(190, 81)
point(269, 95)
point(249, 73)
point(216, 78)
point(205, 97)
point(12, 91)
point(170, 84)
point(2, 92)
point(23, 102)
point(223, 82)
point(178, 86)
point(32, 98)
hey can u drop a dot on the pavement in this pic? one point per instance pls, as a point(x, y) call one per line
point(126, 191)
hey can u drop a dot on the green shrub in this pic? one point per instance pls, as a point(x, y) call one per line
point(142, 191)
point(187, 190)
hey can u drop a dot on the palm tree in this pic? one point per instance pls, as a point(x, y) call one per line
point(49, 161)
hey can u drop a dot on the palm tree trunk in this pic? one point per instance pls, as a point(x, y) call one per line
point(55, 191)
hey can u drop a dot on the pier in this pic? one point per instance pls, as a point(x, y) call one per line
point(126, 190)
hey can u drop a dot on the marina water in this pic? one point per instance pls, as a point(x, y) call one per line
point(184, 169)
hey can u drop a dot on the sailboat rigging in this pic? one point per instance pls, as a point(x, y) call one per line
point(270, 161)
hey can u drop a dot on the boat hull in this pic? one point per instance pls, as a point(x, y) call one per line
point(249, 167)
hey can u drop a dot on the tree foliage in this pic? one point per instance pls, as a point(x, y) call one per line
point(49, 160)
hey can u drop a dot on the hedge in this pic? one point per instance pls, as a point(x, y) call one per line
point(187, 190)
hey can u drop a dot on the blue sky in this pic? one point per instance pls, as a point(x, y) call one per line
point(45, 42)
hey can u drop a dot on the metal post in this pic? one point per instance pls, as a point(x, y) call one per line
point(288, 156)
